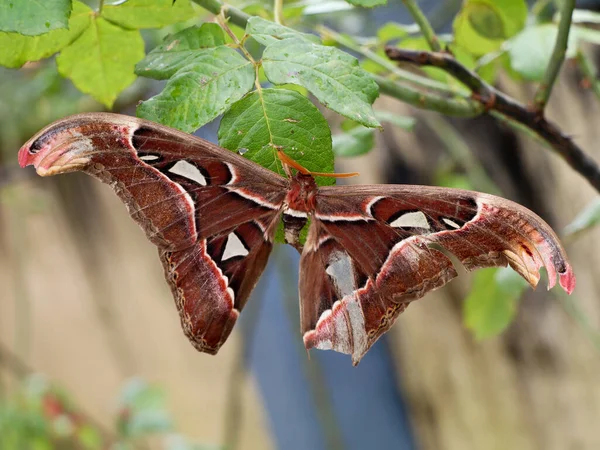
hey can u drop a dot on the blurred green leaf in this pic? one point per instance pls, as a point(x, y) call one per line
point(453, 180)
point(101, 61)
point(492, 304)
point(326, 7)
point(482, 26)
point(143, 410)
point(148, 13)
point(578, 34)
point(392, 31)
point(334, 77)
point(34, 17)
point(357, 141)
point(271, 118)
point(201, 91)
point(405, 122)
point(16, 49)
point(179, 50)
point(367, 3)
point(531, 50)
point(89, 437)
point(586, 219)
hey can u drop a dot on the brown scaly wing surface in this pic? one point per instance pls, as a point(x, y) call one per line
point(373, 249)
point(211, 213)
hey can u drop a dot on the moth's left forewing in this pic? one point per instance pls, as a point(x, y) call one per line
point(372, 249)
point(211, 213)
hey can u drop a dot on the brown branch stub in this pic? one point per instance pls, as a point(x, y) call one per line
point(494, 100)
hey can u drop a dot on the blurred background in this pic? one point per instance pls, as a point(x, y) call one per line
point(92, 354)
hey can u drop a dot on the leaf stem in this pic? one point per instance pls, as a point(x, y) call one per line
point(100, 6)
point(424, 24)
point(278, 11)
point(558, 56)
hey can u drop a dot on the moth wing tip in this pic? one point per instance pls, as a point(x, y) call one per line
point(567, 280)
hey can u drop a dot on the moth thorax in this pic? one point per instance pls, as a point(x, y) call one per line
point(301, 196)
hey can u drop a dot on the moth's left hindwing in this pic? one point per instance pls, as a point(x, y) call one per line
point(373, 249)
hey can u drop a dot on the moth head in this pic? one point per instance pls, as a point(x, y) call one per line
point(301, 195)
point(68, 145)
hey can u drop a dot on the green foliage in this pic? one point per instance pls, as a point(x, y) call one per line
point(33, 17)
point(483, 25)
point(334, 77)
point(270, 119)
point(136, 14)
point(357, 141)
point(201, 91)
point(17, 49)
point(367, 3)
point(492, 303)
point(101, 61)
point(179, 50)
point(42, 417)
point(531, 50)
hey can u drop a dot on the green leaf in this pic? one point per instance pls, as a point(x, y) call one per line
point(357, 141)
point(586, 219)
point(269, 119)
point(16, 49)
point(531, 50)
point(201, 91)
point(482, 26)
point(148, 13)
point(334, 77)
point(367, 3)
point(492, 303)
point(405, 122)
point(179, 50)
point(392, 30)
point(101, 61)
point(266, 32)
point(33, 17)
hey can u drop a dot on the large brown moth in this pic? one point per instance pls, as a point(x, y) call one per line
point(213, 214)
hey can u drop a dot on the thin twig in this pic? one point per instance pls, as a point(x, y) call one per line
point(558, 56)
point(456, 107)
point(236, 16)
point(589, 71)
point(424, 24)
point(278, 11)
point(494, 100)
